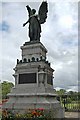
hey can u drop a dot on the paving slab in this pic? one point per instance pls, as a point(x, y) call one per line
point(72, 114)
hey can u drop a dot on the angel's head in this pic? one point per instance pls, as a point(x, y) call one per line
point(33, 11)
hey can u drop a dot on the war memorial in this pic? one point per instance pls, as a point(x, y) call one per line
point(33, 73)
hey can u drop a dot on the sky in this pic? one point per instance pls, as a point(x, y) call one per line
point(59, 35)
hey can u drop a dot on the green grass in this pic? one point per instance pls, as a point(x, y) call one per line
point(73, 105)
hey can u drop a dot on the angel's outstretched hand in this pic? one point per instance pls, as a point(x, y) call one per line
point(24, 24)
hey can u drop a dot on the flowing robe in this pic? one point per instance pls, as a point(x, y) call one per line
point(34, 28)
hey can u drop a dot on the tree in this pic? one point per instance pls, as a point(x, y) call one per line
point(61, 92)
point(6, 88)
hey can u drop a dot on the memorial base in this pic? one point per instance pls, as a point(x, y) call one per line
point(20, 102)
point(34, 83)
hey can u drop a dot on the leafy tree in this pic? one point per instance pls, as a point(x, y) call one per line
point(78, 96)
point(71, 93)
point(6, 88)
point(61, 92)
point(73, 96)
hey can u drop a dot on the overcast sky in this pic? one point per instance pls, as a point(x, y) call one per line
point(59, 35)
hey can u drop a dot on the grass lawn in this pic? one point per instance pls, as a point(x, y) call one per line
point(72, 106)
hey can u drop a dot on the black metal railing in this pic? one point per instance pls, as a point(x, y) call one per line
point(70, 102)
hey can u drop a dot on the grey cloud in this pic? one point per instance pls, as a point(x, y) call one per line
point(65, 78)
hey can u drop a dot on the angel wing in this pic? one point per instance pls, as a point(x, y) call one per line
point(43, 12)
point(29, 10)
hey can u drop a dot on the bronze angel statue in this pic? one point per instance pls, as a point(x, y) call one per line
point(35, 21)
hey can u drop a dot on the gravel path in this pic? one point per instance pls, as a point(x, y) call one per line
point(72, 114)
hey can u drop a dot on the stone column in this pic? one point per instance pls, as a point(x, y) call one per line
point(41, 78)
point(16, 79)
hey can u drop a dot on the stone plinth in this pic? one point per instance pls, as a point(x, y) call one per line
point(33, 50)
point(34, 82)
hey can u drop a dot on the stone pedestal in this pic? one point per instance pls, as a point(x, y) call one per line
point(34, 82)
